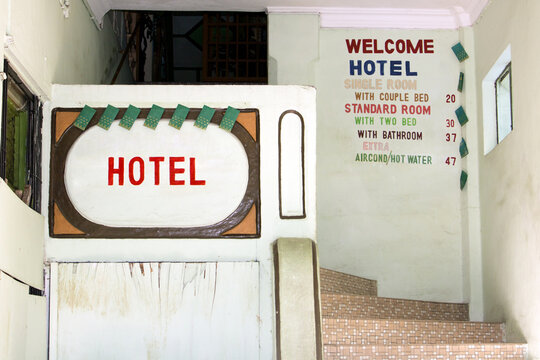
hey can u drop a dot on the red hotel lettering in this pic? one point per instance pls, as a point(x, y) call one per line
point(119, 171)
point(192, 180)
point(138, 177)
point(141, 171)
point(173, 171)
point(156, 160)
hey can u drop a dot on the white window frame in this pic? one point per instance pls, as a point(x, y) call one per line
point(489, 100)
point(506, 73)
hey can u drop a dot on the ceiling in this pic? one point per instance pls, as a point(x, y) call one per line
point(336, 13)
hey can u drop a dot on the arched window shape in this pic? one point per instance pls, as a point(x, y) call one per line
point(291, 166)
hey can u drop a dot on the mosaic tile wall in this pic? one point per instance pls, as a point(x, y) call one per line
point(426, 352)
point(403, 332)
point(358, 306)
point(358, 325)
point(337, 282)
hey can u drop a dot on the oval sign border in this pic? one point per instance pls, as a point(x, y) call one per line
point(88, 229)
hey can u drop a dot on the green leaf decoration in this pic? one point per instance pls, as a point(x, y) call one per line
point(461, 116)
point(129, 117)
point(460, 52)
point(460, 83)
point(463, 179)
point(229, 119)
point(108, 117)
point(179, 115)
point(463, 150)
point(154, 115)
point(204, 117)
point(86, 114)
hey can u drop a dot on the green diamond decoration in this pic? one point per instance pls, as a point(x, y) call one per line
point(229, 119)
point(129, 117)
point(204, 117)
point(463, 179)
point(108, 117)
point(178, 117)
point(463, 150)
point(84, 117)
point(460, 83)
point(460, 52)
point(154, 115)
point(462, 117)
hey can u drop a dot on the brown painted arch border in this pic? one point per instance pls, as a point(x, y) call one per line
point(62, 210)
point(303, 215)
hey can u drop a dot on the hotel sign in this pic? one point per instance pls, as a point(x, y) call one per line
point(144, 183)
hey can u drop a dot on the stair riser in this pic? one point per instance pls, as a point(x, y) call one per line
point(426, 352)
point(367, 307)
point(403, 332)
point(339, 283)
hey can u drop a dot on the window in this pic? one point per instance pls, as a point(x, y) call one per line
point(187, 43)
point(196, 47)
point(20, 145)
point(503, 98)
point(497, 101)
point(235, 47)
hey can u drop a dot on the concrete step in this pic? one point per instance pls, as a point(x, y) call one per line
point(371, 307)
point(338, 331)
point(425, 352)
point(340, 283)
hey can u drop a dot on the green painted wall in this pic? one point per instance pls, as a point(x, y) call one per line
point(293, 58)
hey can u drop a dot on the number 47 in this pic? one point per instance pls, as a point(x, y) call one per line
point(451, 160)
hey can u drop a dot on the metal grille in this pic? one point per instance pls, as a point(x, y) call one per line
point(235, 47)
point(33, 137)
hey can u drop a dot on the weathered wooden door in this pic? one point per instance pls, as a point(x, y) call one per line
point(156, 311)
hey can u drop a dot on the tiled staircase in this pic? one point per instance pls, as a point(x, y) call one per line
point(358, 325)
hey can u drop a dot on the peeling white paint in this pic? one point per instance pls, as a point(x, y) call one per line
point(158, 311)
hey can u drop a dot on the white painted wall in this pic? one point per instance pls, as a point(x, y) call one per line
point(21, 239)
point(509, 175)
point(48, 48)
point(21, 229)
point(271, 101)
point(23, 322)
point(470, 196)
point(45, 48)
point(400, 225)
